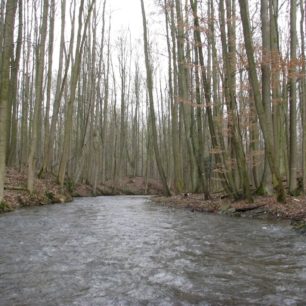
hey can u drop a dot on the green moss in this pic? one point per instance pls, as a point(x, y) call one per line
point(226, 209)
point(260, 191)
point(49, 195)
point(70, 185)
point(300, 226)
point(4, 207)
point(295, 192)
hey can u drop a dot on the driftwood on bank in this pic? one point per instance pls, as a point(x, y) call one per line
point(250, 207)
point(15, 188)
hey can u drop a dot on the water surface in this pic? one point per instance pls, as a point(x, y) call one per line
point(129, 251)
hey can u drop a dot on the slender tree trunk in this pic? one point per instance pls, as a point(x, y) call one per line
point(264, 124)
point(60, 86)
point(13, 109)
point(292, 98)
point(123, 96)
point(75, 72)
point(277, 100)
point(229, 58)
point(183, 91)
point(303, 90)
point(151, 101)
point(105, 101)
point(38, 96)
point(7, 43)
point(265, 83)
point(218, 151)
point(199, 148)
point(177, 157)
point(49, 83)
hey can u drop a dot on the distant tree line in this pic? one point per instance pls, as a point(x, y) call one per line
point(227, 112)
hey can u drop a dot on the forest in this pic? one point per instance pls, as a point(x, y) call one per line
point(211, 98)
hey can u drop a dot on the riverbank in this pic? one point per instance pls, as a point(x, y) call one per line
point(47, 191)
point(265, 207)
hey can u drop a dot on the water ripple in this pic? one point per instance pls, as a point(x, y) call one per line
point(128, 251)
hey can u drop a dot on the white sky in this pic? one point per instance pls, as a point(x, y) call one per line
point(126, 14)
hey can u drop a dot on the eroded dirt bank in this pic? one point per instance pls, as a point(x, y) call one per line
point(47, 191)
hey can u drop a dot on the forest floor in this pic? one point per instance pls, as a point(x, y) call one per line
point(47, 191)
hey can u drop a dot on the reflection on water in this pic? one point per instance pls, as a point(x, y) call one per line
point(128, 251)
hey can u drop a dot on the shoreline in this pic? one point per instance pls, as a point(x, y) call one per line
point(48, 192)
point(264, 208)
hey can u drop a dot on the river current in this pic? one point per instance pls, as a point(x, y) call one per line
point(129, 251)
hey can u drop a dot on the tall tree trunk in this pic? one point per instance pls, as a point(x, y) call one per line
point(229, 58)
point(7, 43)
point(151, 101)
point(49, 83)
point(177, 156)
point(264, 124)
point(277, 100)
point(104, 102)
point(123, 97)
point(217, 149)
point(12, 110)
point(38, 95)
point(303, 91)
point(75, 72)
point(60, 86)
point(105, 114)
point(183, 91)
point(199, 147)
point(292, 97)
point(265, 83)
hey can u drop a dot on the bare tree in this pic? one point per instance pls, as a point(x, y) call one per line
point(292, 98)
point(40, 60)
point(264, 123)
point(75, 71)
point(151, 101)
point(7, 44)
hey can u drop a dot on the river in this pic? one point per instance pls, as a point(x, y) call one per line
point(128, 251)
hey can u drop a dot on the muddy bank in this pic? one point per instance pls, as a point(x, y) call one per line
point(47, 191)
point(294, 210)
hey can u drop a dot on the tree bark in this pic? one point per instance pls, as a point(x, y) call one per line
point(13, 108)
point(7, 43)
point(264, 124)
point(292, 98)
point(303, 91)
point(40, 60)
point(151, 101)
point(229, 67)
point(75, 72)
point(177, 156)
point(218, 149)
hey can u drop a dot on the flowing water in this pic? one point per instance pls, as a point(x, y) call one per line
point(129, 251)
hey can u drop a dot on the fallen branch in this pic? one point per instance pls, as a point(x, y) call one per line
point(15, 188)
point(247, 208)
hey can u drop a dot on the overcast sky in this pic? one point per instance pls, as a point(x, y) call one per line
point(126, 14)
